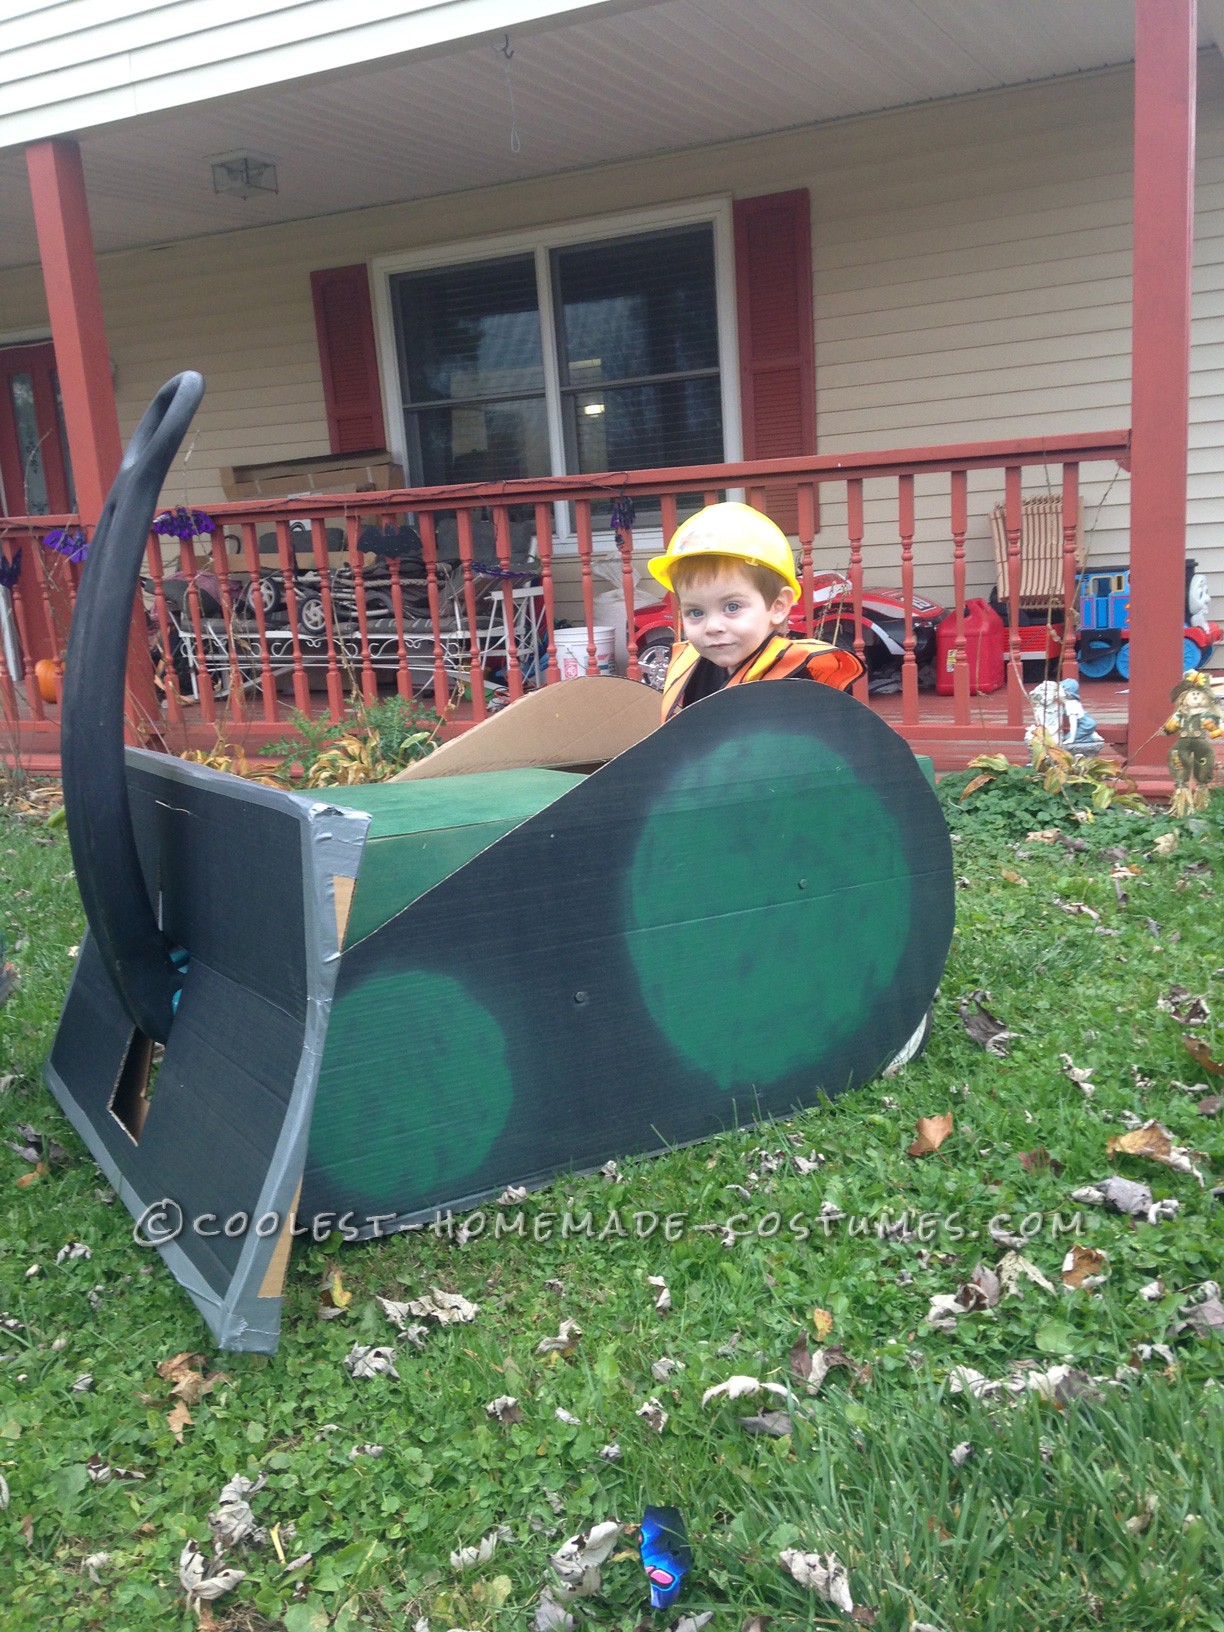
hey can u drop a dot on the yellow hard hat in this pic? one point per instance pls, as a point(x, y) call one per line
point(729, 529)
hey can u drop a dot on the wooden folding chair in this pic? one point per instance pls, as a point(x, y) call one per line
point(1041, 551)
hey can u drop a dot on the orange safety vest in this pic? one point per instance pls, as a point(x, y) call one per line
point(779, 659)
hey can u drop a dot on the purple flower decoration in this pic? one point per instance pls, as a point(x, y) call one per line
point(182, 523)
point(622, 514)
point(69, 542)
point(10, 571)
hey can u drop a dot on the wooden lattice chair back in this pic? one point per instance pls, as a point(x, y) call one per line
point(1041, 548)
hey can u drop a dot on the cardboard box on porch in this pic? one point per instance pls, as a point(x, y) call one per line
point(373, 472)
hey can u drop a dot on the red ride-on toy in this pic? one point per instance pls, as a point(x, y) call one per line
point(832, 620)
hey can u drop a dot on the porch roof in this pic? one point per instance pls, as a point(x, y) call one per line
point(588, 86)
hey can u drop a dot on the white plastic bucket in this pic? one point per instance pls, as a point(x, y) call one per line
point(572, 653)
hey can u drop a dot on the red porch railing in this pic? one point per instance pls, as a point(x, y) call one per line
point(287, 604)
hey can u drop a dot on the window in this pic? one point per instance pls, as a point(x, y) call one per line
point(637, 345)
point(602, 353)
point(472, 372)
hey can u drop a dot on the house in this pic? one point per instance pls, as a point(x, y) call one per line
point(560, 238)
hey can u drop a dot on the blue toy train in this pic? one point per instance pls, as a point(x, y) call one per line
point(1103, 645)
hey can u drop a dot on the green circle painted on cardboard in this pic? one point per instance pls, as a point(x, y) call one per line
point(759, 936)
point(399, 1048)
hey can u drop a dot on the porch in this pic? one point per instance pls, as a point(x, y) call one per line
point(309, 603)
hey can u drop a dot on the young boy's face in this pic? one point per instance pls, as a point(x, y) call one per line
point(726, 617)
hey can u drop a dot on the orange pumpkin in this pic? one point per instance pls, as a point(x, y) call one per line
point(46, 672)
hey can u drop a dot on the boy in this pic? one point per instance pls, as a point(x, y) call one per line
point(732, 571)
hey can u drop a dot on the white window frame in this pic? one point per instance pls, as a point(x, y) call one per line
point(539, 242)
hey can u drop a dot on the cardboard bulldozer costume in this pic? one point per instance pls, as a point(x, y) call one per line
point(397, 999)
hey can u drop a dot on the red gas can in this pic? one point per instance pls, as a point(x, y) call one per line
point(984, 647)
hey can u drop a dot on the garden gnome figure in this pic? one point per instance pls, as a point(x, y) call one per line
point(1196, 719)
point(1055, 702)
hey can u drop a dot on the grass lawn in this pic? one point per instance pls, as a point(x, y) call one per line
point(1081, 1502)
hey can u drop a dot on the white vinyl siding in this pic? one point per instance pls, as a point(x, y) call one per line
point(77, 64)
point(971, 271)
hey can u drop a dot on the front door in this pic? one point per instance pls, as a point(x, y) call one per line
point(35, 480)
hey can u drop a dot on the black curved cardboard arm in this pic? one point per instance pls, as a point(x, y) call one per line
point(121, 917)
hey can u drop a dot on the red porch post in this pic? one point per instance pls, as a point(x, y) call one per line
point(74, 304)
point(1165, 68)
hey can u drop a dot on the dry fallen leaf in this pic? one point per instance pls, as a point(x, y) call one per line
point(1013, 1268)
point(822, 1323)
point(984, 1028)
point(738, 1388)
point(333, 1299)
point(197, 1581)
point(178, 1419)
point(1210, 1106)
point(1193, 1045)
point(1038, 1160)
point(446, 1308)
point(931, 1131)
point(822, 1574)
point(1154, 1141)
point(1184, 1006)
point(505, 1408)
point(770, 1424)
point(653, 1415)
point(565, 1342)
point(1085, 1267)
point(578, 1562)
point(663, 1301)
point(1204, 1310)
point(365, 1360)
point(663, 1367)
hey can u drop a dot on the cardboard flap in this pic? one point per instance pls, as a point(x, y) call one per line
point(574, 722)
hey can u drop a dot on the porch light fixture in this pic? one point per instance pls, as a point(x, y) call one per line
point(593, 408)
point(243, 174)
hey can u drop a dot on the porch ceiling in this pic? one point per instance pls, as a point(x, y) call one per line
point(619, 85)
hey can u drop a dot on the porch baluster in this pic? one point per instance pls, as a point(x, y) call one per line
point(1013, 515)
point(24, 643)
point(429, 551)
point(514, 657)
point(403, 676)
point(204, 691)
point(1070, 564)
point(288, 567)
point(854, 528)
point(475, 666)
point(670, 523)
point(267, 681)
point(960, 649)
point(153, 557)
point(369, 680)
point(8, 695)
point(807, 532)
point(60, 638)
point(543, 526)
point(335, 690)
point(909, 664)
point(629, 590)
point(585, 556)
point(220, 566)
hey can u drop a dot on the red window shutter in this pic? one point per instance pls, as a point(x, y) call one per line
point(348, 358)
point(773, 280)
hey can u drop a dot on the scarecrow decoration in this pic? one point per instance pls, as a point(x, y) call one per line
point(1196, 719)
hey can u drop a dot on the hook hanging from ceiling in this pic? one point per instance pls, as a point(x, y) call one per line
point(506, 54)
